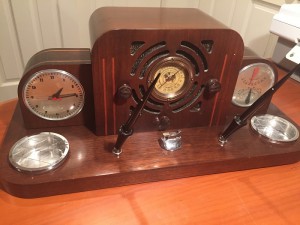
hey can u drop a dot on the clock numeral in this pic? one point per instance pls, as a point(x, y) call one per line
point(51, 77)
point(33, 87)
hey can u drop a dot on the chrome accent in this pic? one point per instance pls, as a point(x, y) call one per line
point(170, 141)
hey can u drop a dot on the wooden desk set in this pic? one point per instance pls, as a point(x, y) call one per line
point(147, 102)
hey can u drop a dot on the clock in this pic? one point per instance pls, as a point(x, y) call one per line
point(53, 94)
point(56, 89)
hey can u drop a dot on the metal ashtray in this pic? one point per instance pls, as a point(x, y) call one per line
point(39, 153)
point(275, 128)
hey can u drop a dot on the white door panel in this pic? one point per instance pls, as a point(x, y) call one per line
point(11, 63)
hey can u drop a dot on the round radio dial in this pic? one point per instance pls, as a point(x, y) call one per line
point(176, 76)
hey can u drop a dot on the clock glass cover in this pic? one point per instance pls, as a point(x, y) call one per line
point(53, 94)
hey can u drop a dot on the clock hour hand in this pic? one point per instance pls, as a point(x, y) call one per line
point(56, 94)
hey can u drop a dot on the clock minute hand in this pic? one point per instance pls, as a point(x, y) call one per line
point(68, 95)
point(56, 97)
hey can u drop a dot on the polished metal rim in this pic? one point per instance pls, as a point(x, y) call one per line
point(39, 153)
point(275, 128)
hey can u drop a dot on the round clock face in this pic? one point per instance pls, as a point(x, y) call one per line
point(53, 95)
point(176, 76)
point(253, 81)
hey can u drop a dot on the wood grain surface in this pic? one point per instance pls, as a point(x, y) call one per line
point(260, 196)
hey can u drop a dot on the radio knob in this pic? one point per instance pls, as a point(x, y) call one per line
point(213, 86)
point(124, 91)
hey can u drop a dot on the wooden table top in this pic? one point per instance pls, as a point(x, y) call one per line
point(260, 196)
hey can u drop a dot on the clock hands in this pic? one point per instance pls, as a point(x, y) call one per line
point(54, 98)
point(63, 96)
point(57, 95)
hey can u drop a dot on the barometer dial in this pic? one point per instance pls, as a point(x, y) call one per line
point(253, 81)
point(53, 94)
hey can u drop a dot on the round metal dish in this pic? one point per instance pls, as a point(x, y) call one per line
point(39, 153)
point(275, 128)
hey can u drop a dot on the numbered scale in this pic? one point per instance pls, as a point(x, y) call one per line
point(253, 81)
point(175, 80)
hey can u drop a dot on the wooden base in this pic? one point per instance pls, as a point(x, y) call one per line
point(91, 165)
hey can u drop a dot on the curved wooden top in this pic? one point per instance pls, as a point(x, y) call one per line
point(58, 56)
point(134, 18)
point(260, 196)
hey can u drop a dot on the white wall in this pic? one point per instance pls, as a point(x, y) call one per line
point(28, 26)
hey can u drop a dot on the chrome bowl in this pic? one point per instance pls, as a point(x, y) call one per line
point(39, 153)
point(275, 128)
